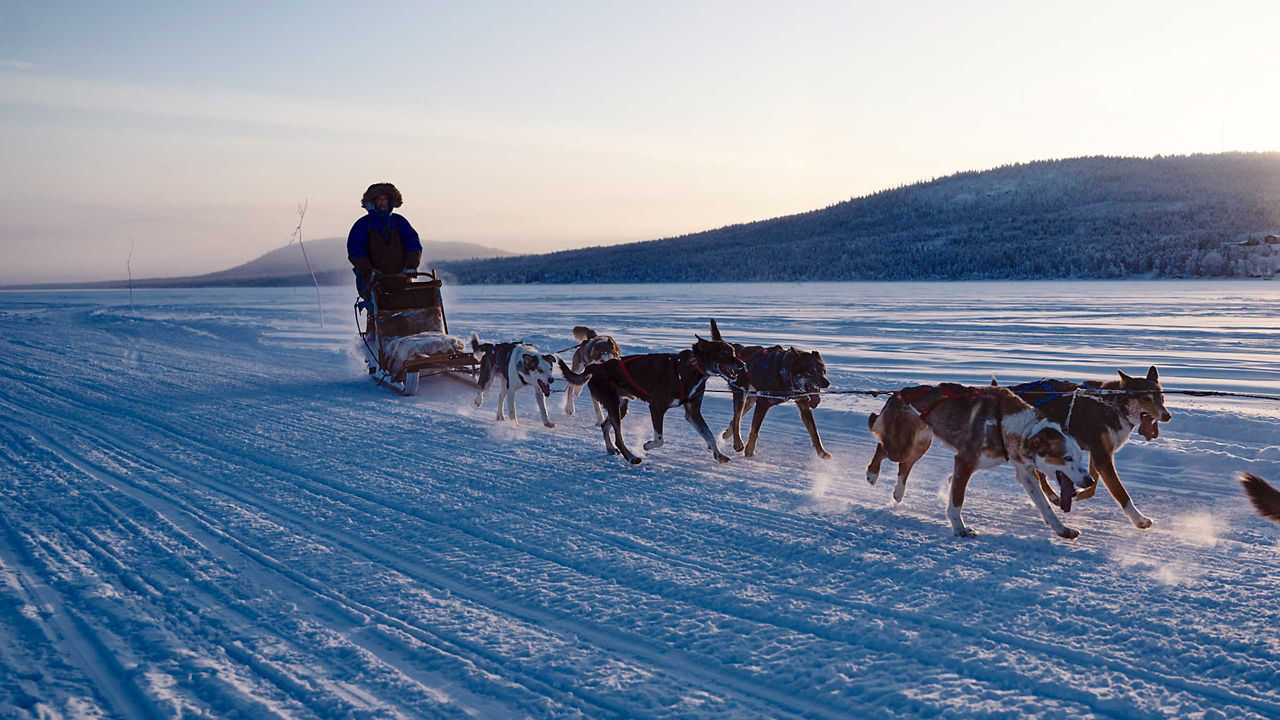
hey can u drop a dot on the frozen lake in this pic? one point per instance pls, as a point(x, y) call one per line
point(210, 511)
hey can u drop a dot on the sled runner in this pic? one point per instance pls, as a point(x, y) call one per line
point(406, 336)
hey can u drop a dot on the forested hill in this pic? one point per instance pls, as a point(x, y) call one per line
point(1094, 217)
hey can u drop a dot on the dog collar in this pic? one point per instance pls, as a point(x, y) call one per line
point(698, 366)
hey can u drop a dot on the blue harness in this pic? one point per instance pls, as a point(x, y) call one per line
point(1038, 387)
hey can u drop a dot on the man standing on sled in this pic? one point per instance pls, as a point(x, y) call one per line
point(382, 241)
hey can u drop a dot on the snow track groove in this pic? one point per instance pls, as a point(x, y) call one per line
point(356, 613)
point(617, 643)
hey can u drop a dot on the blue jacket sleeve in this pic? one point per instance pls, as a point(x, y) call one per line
point(409, 236)
point(358, 239)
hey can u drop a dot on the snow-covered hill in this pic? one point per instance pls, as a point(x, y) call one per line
point(1090, 217)
point(287, 267)
point(329, 256)
point(207, 510)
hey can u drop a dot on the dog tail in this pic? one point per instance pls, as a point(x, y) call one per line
point(571, 376)
point(478, 348)
point(582, 333)
point(1264, 497)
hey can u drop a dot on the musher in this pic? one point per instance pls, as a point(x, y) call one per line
point(382, 241)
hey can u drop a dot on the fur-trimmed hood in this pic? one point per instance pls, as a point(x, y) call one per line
point(377, 189)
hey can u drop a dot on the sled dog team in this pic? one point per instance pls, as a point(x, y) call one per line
point(1047, 430)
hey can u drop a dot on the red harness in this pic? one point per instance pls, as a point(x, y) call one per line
point(946, 395)
point(644, 394)
point(745, 366)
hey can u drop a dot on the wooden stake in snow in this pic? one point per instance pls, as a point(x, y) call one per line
point(128, 264)
point(297, 235)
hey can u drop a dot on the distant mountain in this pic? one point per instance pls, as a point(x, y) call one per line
point(285, 266)
point(1093, 217)
point(328, 257)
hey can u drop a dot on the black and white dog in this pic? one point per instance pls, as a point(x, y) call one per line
point(514, 365)
point(593, 350)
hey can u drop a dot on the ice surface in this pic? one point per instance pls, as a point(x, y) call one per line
point(208, 510)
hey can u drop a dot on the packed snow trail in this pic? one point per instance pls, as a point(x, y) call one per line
point(208, 510)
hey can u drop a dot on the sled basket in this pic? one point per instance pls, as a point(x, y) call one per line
point(403, 308)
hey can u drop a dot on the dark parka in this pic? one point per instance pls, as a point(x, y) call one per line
point(382, 241)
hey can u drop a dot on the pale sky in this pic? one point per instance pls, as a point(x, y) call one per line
point(193, 130)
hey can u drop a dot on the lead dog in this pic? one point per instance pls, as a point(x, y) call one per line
point(663, 380)
point(783, 375)
point(514, 365)
point(1264, 497)
point(986, 427)
point(592, 350)
point(1102, 424)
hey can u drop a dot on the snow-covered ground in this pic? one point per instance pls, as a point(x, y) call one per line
point(207, 510)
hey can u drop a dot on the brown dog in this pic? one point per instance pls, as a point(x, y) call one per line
point(592, 349)
point(1102, 423)
point(1264, 497)
point(987, 427)
point(663, 380)
point(783, 375)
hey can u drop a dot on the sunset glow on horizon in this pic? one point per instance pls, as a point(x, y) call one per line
point(194, 132)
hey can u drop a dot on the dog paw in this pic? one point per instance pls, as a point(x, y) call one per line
point(739, 447)
point(966, 532)
point(726, 434)
point(722, 457)
point(611, 451)
point(1142, 523)
point(549, 424)
point(1069, 533)
point(824, 454)
point(872, 478)
point(897, 495)
point(635, 461)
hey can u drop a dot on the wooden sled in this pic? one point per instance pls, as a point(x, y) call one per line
point(404, 305)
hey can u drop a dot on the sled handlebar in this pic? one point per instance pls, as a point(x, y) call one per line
point(377, 276)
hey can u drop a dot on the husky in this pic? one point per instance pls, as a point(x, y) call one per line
point(772, 370)
point(1264, 497)
point(514, 365)
point(1102, 424)
point(986, 427)
point(664, 381)
point(593, 349)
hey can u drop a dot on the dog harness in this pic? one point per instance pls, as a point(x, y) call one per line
point(644, 395)
point(1038, 387)
point(1043, 386)
point(744, 359)
point(947, 394)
